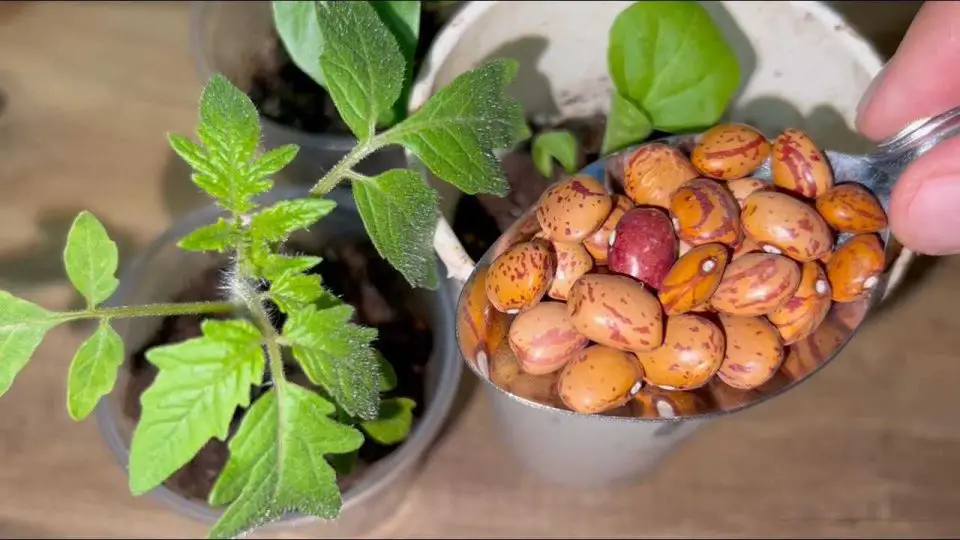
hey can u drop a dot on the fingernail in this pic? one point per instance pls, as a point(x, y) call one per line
point(934, 217)
point(872, 89)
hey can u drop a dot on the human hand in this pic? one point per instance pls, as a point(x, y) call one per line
point(922, 79)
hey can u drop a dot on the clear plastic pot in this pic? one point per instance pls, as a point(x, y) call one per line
point(229, 38)
point(162, 270)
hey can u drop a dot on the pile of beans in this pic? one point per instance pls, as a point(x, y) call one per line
point(698, 272)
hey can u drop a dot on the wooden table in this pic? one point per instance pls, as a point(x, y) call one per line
point(869, 447)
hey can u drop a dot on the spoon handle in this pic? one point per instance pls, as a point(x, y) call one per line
point(893, 155)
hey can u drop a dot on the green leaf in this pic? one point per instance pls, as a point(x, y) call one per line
point(276, 462)
point(672, 61)
point(393, 422)
point(293, 290)
point(361, 62)
point(336, 355)
point(388, 377)
point(402, 17)
point(299, 31)
point(274, 265)
point(555, 145)
point(230, 131)
point(275, 223)
point(626, 125)
point(456, 131)
point(219, 237)
point(93, 371)
point(400, 213)
point(22, 327)
point(90, 258)
point(201, 382)
point(273, 161)
point(229, 124)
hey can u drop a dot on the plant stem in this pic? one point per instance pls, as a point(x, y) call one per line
point(150, 310)
point(343, 167)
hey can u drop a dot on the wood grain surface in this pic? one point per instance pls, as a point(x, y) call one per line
point(868, 447)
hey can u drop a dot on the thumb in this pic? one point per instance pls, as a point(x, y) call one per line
point(925, 205)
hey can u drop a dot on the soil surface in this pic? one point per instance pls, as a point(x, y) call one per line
point(382, 298)
point(479, 220)
point(288, 96)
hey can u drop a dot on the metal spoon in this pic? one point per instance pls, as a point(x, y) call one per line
point(878, 170)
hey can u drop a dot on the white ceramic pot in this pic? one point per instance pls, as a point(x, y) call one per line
point(803, 67)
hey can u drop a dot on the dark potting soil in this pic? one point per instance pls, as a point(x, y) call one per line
point(288, 96)
point(479, 220)
point(382, 299)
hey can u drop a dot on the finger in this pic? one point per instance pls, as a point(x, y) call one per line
point(922, 79)
point(925, 205)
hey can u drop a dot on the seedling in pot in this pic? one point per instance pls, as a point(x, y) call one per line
point(276, 462)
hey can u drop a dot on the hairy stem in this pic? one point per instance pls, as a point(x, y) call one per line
point(344, 167)
point(150, 310)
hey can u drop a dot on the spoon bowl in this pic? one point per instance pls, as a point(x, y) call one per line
point(482, 343)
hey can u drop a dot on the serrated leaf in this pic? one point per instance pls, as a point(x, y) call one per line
point(293, 290)
point(456, 131)
point(388, 376)
point(22, 327)
point(393, 421)
point(229, 129)
point(299, 31)
point(274, 265)
point(93, 371)
point(399, 211)
point(276, 462)
point(90, 258)
point(273, 161)
point(220, 236)
point(336, 355)
point(363, 68)
point(229, 123)
point(275, 223)
point(201, 382)
point(555, 145)
point(626, 125)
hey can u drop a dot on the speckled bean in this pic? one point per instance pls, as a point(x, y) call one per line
point(616, 311)
point(753, 354)
point(852, 208)
point(799, 166)
point(573, 209)
point(543, 338)
point(756, 284)
point(799, 316)
point(855, 267)
point(653, 172)
point(730, 151)
point(783, 224)
point(705, 212)
point(692, 351)
point(599, 379)
point(520, 276)
point(693, 279)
